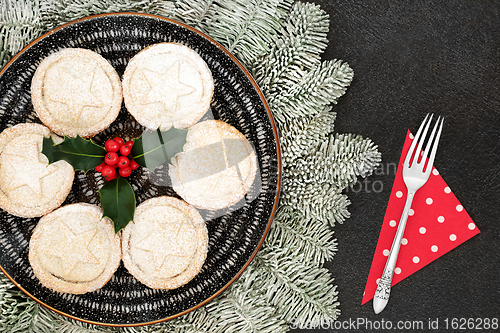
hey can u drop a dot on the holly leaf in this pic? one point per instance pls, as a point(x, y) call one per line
point(80, 153)
point(118, 202)
point(152, 149)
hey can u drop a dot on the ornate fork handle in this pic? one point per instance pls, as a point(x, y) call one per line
point(384, 286)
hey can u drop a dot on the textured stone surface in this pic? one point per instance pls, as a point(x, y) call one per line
point(409, 59)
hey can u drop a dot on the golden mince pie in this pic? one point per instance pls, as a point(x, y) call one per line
point(76, 92)
point(74, 249)
point(167, 85)
point(166, 244)
point(29, 186)
point(216, 168)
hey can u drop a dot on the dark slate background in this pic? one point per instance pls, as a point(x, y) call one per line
point(411, 58)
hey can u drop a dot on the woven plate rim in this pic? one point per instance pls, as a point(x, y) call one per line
point(278, 161)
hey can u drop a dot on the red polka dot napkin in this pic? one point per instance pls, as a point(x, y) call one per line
point(437, 223)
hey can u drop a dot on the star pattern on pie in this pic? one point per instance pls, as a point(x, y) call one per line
point(166, 88)
point(75, 92)
point(73, 248)
point(162, 242)
point(234, 155)
point(230, 160)
point(28, 169)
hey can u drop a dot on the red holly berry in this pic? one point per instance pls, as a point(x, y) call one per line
point(122, 161)
point(133, 164)
point(120, 141)
point(111, 158)
point(108, 172)
point(112, 146)
point(125, 171)
point(129, 144)
point(125, 150)
point(99, 167)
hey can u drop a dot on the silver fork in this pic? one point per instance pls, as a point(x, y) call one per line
point(414, 177)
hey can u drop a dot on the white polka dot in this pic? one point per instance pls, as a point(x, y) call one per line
point(411, 212)
point(399, 194)
point(453, 237)
point(434, 248)
point(416, 260)
point(404, 241)
point(412, 136)
point(386, 252)
point(441, 219)
point(435, 172)
point(422, 230)
point(429, 201)
point(378, 280)
point(397, 270)
point(363, 293)
point(472, 226)
point(447, 190)
point(392, 223)
point(460, 208)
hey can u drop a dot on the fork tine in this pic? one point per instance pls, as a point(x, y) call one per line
point(421, 142)
point(429, 142)
point(409, 154)
point(434, 148)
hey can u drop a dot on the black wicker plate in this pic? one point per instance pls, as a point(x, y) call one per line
point(235, 233)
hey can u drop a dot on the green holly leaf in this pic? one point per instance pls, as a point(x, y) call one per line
point(152, 149)
point(118, 202)
point(80, 153)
